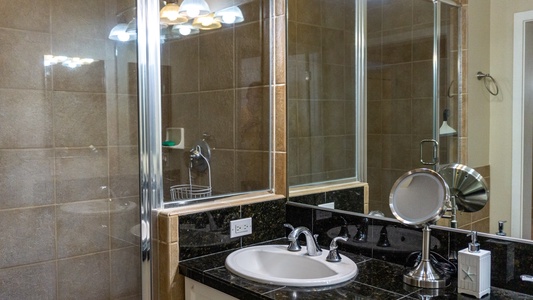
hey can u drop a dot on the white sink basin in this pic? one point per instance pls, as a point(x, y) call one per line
point(274, 264)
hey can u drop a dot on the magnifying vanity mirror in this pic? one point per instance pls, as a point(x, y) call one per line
point(418, 198)
point(399, 109)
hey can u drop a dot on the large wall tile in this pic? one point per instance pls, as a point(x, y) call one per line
point(79, 18)
point(122, 120)
point(30, 178)
point(252, 170)
point(252, 118)
point(217, 117)
point(217, 66)
point(184, 64)
point(91, 218)
point(249, 62)
point(124, 222)
point(81, 174)
point(125, 273)
point(80, 119)
point(27, 236)
point(86, 78)
point(31, 282)
point(123, 171)
point(85, 277)
point(29, 121)
point(22, 59)
point(26, 15)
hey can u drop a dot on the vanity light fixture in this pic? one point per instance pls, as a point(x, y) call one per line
point(194, 8)
point(185, 29)
point(119, 33)
point(206, 22)
point(177, 21)
point(230, 15)
point(169, 14)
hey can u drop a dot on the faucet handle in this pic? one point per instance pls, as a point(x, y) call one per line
point(333, 255)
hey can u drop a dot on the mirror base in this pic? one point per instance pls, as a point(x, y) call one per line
point(425, 276)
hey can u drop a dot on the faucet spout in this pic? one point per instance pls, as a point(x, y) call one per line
point(313, 249)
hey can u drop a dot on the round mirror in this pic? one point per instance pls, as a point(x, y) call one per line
point(467, 186)
point(419, 197)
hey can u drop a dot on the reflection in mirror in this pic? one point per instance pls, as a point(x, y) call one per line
point(491, 120)
point(321, 95)
point(484, 135)
point(216, 103)
point(402, 99)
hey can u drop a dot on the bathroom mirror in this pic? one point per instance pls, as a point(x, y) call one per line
point(327, 131)
point(419, 197)
point(487, 140)
point(216, 102)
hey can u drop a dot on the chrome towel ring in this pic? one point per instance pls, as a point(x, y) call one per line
point(487, 81)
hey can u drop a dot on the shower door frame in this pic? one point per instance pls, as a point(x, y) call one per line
point(437, 70)
point(150, 158)
point(361, 81)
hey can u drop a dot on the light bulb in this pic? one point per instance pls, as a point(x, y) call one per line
point(207, 21)
point(172, 15)
point(185, 30)
point(123, 36)
point(229, 18)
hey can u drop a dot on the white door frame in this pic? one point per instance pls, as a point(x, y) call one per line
point(522, 135)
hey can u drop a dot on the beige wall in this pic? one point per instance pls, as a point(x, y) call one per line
point(490, 50)
point(477, 97)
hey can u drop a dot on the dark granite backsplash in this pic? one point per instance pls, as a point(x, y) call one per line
point(510, 258)
point(208, 232)
point(352, 199)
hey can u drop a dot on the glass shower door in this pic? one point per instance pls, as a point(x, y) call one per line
point(404, 91)
point(68, 152)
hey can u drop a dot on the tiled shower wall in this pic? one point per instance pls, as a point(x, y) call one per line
point(321, 97)
point(218, 84)
point(400, 91)
point(68, 154)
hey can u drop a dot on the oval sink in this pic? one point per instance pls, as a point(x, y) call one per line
point(274, 264)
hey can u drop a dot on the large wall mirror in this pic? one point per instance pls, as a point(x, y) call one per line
point(400, 106)
point(215, 100)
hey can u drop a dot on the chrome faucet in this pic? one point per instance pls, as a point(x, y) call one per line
point(362, 232)
point(313, 249)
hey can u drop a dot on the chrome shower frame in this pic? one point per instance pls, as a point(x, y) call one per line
point(150, 158)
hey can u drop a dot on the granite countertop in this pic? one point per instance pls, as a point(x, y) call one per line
point(377, 279)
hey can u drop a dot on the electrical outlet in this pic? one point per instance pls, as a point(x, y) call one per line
point(240, 227)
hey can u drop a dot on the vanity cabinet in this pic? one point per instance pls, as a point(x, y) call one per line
point(198, 291)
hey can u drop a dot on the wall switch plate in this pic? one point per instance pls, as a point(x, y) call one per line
point(240, 227)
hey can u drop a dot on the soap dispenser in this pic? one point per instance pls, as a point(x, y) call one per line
point(474, 269)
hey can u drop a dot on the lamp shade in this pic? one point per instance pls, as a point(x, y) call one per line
point(229, 15)
point(169, 14)
point(194, 8)
point(206, 22)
